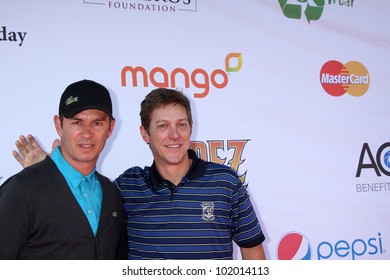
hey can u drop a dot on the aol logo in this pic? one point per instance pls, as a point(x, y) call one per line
point(380, 163)
point(295, 9)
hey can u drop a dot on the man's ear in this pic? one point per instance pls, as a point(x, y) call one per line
point(112, 125)
point(57, 124)
point(145, 135)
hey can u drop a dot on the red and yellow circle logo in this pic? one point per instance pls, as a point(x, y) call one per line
point(337, 78)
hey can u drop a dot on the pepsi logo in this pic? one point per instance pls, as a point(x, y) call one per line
point(294, 246)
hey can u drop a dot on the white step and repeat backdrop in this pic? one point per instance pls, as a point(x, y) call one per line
point(293, 95)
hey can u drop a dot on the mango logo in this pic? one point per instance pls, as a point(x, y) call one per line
point(178, 77)
point(337, 78)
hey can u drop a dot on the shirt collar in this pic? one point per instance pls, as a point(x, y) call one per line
point(72, 176)
point(197, 169)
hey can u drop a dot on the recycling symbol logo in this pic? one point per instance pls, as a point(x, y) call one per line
point(312, 9)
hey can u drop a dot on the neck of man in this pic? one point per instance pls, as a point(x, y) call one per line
point(84, 168)
point(174, 172)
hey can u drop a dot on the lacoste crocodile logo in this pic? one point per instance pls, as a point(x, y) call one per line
point(71, 100)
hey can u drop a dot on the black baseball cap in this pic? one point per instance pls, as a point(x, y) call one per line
point(83, 95)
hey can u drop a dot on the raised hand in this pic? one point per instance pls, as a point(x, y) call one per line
point(29, 151)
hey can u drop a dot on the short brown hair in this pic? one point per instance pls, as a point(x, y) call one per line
point(162, 97)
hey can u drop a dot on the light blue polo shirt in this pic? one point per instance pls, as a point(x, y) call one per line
point(86, 189)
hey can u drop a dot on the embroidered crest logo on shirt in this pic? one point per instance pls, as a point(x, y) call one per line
point(71, 100)
point(207, 211)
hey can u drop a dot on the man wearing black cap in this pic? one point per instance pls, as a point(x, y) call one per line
point(61, 208)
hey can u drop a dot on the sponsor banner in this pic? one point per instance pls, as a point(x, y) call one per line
point(290, 94)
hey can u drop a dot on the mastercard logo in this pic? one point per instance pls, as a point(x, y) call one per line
point(337, 78)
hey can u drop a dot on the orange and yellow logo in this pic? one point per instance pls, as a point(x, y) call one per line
point(179, 77)
point(337, 78)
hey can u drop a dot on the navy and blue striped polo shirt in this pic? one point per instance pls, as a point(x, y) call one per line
point(198, 219)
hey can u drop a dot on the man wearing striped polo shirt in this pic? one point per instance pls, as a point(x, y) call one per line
point(183, 207)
